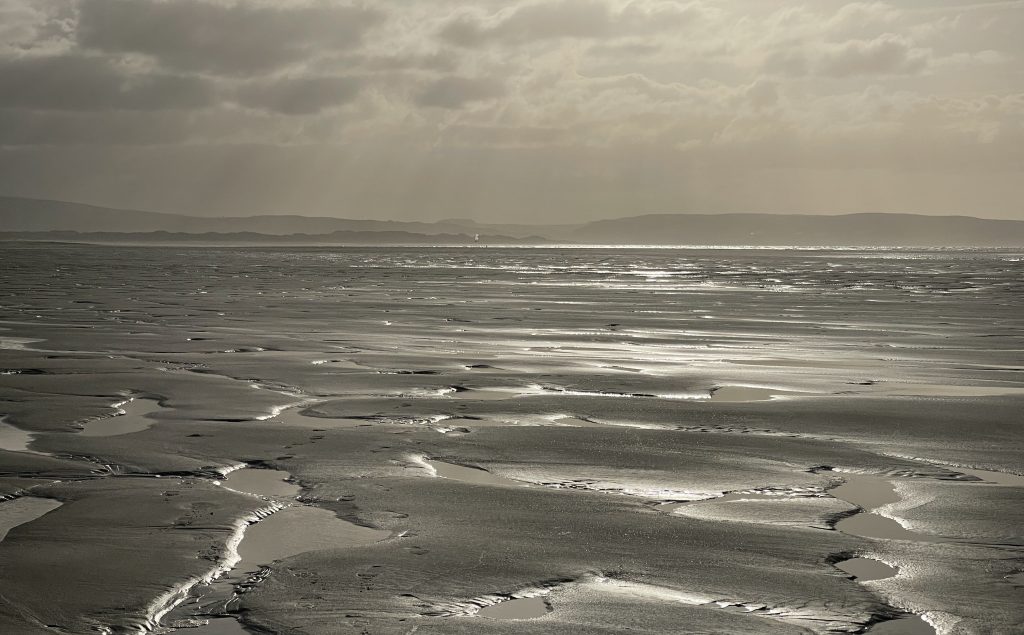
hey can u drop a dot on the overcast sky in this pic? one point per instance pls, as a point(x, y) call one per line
point(561, 110)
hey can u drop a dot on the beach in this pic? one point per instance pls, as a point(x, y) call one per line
point(510, 440)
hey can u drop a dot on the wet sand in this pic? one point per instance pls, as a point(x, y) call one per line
point(510, 441)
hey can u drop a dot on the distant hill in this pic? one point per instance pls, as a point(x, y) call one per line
point(27, 214)
point(805, 230)
point(254, 238)
point(33, 219)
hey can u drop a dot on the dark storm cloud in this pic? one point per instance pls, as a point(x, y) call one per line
point(68, 82)
point(233, 39)
point(454, 91)
point(299, 95)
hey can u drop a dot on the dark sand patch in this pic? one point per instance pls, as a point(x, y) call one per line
point(23, 509)
point(865, 569)
point(133, 416)
point(517, 609)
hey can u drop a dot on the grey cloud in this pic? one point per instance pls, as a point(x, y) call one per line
point(66, 82)
point(53, 128)
point(454, 91)
point(885, 55)
point(888, 54)
point(298, 95)
point(566, 19)
point(239, 38)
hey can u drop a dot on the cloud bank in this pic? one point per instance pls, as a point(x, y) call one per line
point(556, 110)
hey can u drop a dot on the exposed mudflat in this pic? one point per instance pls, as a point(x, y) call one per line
point(509, 441)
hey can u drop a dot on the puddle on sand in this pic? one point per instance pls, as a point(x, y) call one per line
point(288, 532)
point(23, 510)
point(518, 609)
point(294, 417)
point(872, 492)
point(867, 525)
point(298, 529)
point(133, 417)
point(869, 492)
point(866, 569)
point(266, 483)
point(904, 626)
point(740, 394)
point(670, 508)
point(217, 626)
point(994, 478)
point(485, 394)
point(15, 439)
point(471, 475)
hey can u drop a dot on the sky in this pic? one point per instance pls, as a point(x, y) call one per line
point(515, 111)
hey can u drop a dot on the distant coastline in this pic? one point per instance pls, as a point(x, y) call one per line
point(57, 221)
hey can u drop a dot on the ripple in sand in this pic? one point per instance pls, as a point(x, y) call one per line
point(866, 569)
point(517, 609)
point(23, 510)
point(473, 475)
point(133, 416)
point(904, 626)
point(264, 483)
